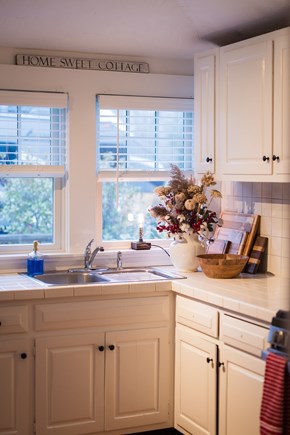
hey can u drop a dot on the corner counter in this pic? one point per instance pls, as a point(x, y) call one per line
point(257, 296)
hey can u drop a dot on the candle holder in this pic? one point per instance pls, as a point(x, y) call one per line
point(140, 245)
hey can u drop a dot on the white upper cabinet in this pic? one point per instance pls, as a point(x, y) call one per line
point(242, 107)
point(204, 103)
point(281, 154)
point(246, 108)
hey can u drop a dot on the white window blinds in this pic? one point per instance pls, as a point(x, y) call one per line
point(33, 134)
point(143, 135)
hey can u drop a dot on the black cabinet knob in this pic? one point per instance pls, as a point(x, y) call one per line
point(266, 159)
point(101, 348)
point(208, 160)
point(220, 364)
point(111, 347)
point(275, 158)
point(208, 360)
point(23, 355)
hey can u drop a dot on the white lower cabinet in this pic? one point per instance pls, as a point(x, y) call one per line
point(16, 365)
point(137, 378)
point(69, 384)
point(218, 388)
point(101, 381)
point(111, 374)
point(241, 379)
point(196, 382)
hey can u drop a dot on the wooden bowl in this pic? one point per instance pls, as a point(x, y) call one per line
point(222, 265)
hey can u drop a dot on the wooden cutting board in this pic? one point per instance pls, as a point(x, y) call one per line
point(236, 238)
point(240, 228)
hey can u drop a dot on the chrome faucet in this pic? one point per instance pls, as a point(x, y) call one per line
point(89, 256)
point(119, 260)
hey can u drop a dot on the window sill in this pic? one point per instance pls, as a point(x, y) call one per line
point(15, 263)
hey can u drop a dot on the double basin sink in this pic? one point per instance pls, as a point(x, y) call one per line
point(81, 277)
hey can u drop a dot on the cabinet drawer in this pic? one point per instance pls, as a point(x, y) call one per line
point(243, 334)
point(13, 319)
point(101, 313)
point(197, 316)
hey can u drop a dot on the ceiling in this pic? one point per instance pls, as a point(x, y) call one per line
point(166, 29)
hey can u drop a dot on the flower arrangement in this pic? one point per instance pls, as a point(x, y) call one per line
point(185, 208)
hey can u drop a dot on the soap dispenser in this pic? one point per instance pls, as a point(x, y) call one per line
point(35, 261)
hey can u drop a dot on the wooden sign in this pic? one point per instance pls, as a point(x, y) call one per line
point(81, 63)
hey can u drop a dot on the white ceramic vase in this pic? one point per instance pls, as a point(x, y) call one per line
point(183, 253)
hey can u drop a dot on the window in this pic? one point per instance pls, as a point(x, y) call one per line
point(32, 167)
point(137, 140)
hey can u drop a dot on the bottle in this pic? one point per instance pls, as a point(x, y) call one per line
point(35, 261)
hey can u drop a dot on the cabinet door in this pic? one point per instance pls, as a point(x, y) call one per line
point(241, 384)
point(204, 109)
point(246, 108)
point(195, 383)
point(16, 387)
point(137, 378)
point(281, 164)
point(70, 384)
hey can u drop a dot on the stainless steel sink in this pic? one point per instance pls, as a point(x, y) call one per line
point(105, 276)
point(138, 274)
point(69, 278)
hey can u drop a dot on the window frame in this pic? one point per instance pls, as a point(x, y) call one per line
point(56, 172)
point(137, 103)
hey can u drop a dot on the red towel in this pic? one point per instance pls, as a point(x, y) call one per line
point(275, 408)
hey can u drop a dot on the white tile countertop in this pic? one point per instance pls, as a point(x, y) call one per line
point(258, 296)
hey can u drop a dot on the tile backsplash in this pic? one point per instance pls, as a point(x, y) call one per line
point(272, 202)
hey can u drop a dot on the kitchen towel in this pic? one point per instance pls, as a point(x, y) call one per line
point(275, 412)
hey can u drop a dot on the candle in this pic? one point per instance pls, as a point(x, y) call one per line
point(141, 223)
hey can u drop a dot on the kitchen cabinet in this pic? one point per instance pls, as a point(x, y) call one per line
point(205, 73)
point(241, 379)
point(281, 147)
point(254, 109)
point(218, 371)
point(69, 384)
point(196, 382)
point(16, 371)
point(16, 363)
point(92, 365)
point(96, 382)
point(137, 378)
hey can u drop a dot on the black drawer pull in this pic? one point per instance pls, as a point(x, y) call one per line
point(111, 347)
point(101, 348)
point(23, 355)
point(208, 160)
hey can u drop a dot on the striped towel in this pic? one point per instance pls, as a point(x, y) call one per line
point(275, 408)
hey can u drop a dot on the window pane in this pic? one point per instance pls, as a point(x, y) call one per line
point(32, 135)
point(26, 210)
point(140, 140)
point(134, 198)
